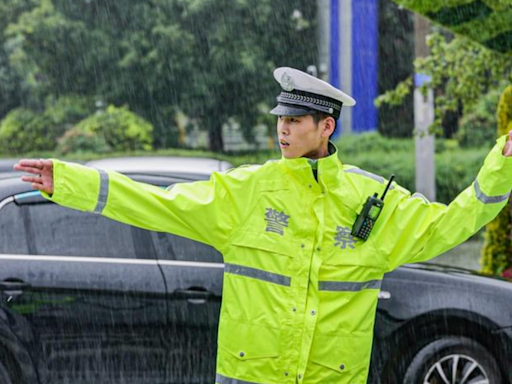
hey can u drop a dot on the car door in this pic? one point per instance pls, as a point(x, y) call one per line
point(193, 273)
point(89, 289)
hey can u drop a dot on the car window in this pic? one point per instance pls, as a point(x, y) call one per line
point(12, 231)
point(55, 230)
point(172, 247)
point(50, 229)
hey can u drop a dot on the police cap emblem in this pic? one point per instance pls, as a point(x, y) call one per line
point(287, 82)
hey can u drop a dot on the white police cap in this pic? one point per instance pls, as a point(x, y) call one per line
point(304, 94)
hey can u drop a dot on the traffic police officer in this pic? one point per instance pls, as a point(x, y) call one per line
point(300, 291)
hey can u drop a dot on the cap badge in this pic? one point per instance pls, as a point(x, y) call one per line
point(287, 82)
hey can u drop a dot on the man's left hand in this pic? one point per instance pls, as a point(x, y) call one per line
point(507, 151)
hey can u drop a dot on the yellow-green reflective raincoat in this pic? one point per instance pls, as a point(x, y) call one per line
point(299, 293)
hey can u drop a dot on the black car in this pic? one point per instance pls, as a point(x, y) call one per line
point(6, 170)
point(85, 299)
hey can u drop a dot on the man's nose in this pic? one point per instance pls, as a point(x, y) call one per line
point(284, 128)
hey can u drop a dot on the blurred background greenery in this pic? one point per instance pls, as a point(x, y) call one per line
point(109, 76)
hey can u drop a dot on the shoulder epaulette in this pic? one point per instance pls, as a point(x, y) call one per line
point(244, 166)
point(362, 172)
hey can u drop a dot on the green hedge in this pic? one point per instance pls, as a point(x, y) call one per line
point(119, 128)
point(23, 130)
point(77, 141)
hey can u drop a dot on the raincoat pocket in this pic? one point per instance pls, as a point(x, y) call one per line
point(249, 351)
point(363, 254)
point(248, 341)
point(340, 359)
point(267, 242)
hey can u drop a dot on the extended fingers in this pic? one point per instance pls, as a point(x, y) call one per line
point(30, 163)
point(46, 163)
point(28, 169)
point(37, 186)
point(31, 179)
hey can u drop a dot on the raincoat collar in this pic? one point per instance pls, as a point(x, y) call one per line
point(329, 168)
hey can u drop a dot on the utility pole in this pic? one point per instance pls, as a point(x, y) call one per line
point(423, 118)
point(323, 39)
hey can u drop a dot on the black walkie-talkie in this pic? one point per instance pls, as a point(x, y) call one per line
point(369, 214)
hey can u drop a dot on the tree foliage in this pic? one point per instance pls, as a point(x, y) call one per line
point(486, 22)
point(24, 130)
point(461, 71)
point(211, 59)
point(478, 126)
point(121, 129)
point(396, 55)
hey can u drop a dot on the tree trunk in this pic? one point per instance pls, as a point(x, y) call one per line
point(215, 136)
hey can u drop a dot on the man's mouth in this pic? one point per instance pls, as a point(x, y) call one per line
point(283, 144)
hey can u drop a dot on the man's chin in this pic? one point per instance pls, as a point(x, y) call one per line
point(289, 155)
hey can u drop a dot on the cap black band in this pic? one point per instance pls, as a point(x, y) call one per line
point(311, 100)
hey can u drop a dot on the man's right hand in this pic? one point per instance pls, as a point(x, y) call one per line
point(43, 169)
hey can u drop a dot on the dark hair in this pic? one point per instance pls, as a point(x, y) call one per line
point(319, 116)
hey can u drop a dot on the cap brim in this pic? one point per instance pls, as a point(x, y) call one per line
point(285, 110)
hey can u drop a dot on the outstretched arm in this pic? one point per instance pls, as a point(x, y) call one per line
point(416, 230)
point(202, 211)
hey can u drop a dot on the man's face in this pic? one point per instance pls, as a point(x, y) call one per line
point(299, 136)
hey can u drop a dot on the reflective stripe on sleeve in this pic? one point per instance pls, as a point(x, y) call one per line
point(348, 286)
point(362, 172)
point(417, 195)
point(421, 196)
point(103, 195)
point(370, 175)
point(257, 274)
point(488, 199)
point(220, 379)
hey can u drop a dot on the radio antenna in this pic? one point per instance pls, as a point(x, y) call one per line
point(387, 187)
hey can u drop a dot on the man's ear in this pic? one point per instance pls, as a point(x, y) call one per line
point(328, 128)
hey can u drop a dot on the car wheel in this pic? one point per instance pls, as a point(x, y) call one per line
point(453, 360)
point(4, 376)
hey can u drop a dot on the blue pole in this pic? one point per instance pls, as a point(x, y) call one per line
point(334, 49)
point(364, 64)
point(334, 44)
